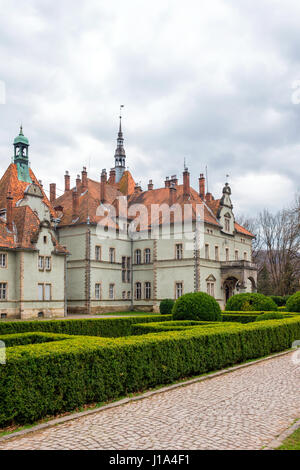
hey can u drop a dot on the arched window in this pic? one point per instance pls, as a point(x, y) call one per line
point(147, 256)
point(138, 257)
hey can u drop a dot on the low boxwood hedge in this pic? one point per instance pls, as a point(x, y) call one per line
point(21, 339)
point(106, 327)
point(46, 379)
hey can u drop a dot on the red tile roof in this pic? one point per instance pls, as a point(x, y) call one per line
point(26, 224)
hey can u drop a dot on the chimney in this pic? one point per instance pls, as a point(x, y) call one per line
point(52, 192)
point(150, 185)
point(167, 182)
point(202, 186)
point(174, 180)
point(84, 179)
point(186, 182)
point(112, 176)
point(75, 204)
point(172, 194)
point(67, 181)
point(78, 184)
point(9, 210)
point(103, 185)
point(137, 188)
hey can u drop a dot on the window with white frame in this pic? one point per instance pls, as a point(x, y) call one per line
point(147, 256)
point(138, 257)
point(111, 291)
point(211, 288)
point(41, 263)
point(3, 290)
point(178, 251)
point(178, 289)
point(47, 292)
point(147, 290)
point(112, 255)
point(98, 253)
point(3, 260)
point(98, 291)
point(138, 291)
point(217, 254)
point(206, 251)
point(40, 291)
point(48, 263)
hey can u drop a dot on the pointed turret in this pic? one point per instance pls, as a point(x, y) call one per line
point(120, 155)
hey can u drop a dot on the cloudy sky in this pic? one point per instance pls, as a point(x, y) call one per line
point(214, 81)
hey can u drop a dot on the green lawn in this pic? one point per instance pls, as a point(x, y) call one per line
point(292, 442)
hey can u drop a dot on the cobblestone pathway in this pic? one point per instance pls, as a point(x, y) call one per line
point(244, 409)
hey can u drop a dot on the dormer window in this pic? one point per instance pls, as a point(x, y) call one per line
point(227, 224)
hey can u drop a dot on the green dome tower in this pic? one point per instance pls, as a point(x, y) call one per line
point(21, 145)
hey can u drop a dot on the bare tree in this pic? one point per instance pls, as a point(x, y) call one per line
point(252, 224)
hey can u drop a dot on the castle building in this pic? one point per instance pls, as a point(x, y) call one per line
point(122, 272)
point(32, 262)
point(102, 245)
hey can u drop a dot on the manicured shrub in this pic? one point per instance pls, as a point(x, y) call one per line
point(278, 299)
point(239, 317)
point(293, 303)
point(46, 379)
point(197, 306)
point(106, 327)
point(249, 301)
point(165, 307)
point(270, 316)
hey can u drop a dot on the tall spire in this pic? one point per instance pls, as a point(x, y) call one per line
point(120, 155)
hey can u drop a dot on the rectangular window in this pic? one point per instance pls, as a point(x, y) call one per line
point(138, 291)
point(112, 255)
point(41, 263)
point(3, 260)
point(48, 263)
point(236, 255)
point(245, 256)
point(138, 257)
point(147, 290)
point(227, 224)
point(227, 254)
point(178, 251)
point(111, 291)
point(211, 288)
point(206, 251)
point(47, 291)
point(98, 291)
point(98, 253)
point(40, 291)
point(217, 256)
point(178, 290)
point(3, 290)
point(128, 269)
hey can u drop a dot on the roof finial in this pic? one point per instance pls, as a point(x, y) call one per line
point(21, 129)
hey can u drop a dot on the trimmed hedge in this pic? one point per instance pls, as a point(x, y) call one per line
point(105, 327)
point(21, 339)
point(270, 316)
point(50, 378)
point(293, 303)
point(240, 318)
point(197, 306)
point(248, 301)
point(166, 306)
